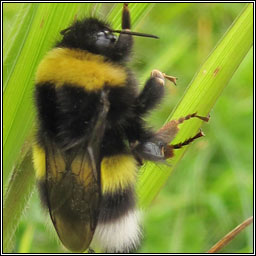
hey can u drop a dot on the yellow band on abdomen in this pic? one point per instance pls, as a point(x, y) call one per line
point(39, 161)
point(117, 173)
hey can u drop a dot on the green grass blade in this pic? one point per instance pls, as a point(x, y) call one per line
point(27, 239)
point(17, 195)
point(201, 96)
point(16, 39)
point(19, 69)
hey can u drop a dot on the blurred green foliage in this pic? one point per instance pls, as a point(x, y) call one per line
point(211, 190)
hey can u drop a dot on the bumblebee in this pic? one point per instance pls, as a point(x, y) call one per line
point(91, 135)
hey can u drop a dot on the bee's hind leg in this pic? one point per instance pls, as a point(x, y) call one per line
point(158, 147)
point(168, 132)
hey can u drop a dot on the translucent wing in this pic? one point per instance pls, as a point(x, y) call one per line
point(73, 194)
point(73, 185)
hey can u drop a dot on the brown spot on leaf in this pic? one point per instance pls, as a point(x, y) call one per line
point(42, 23)
point(216, 71)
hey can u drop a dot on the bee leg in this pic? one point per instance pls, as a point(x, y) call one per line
point(157, 148)
point(168, 132)
point(126, 19)
point(173, 79)
point(162, 76)
point(188, 141)
point(168, 149)
point(159, 76)
point(124, 43)
point(151, 94)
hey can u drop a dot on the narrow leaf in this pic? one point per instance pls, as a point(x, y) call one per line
point(200, 96)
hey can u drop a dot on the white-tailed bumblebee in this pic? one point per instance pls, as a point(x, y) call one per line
point(91, 135)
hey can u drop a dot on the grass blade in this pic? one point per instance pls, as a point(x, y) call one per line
point(17, 195)
point(201, 96)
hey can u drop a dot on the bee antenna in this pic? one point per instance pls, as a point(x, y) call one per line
point(134, 33)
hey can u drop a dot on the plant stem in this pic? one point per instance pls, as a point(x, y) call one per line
point(230, 236)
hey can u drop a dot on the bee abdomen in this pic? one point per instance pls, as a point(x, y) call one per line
point(118, 229)
point(114, 206)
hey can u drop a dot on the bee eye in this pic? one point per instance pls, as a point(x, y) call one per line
point(105, 38)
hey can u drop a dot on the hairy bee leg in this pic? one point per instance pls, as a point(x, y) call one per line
point(157, 148)
point(169, 130)
point(151, 94)
point(126, 19)
point(159, 76)
point(124, 43)
point(162, 76)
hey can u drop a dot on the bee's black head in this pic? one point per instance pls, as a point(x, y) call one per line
point(91, 35)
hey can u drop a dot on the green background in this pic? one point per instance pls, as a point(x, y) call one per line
point(211, 190)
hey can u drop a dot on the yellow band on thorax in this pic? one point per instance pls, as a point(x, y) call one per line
point(117, 173)
point(71, 66)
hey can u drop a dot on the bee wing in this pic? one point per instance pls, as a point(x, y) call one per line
point(73, 186)
point(73, 198)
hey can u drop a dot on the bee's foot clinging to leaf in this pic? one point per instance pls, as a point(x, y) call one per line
point(169, 131)
point(168, 149)
point(188, 141)
point(187, 117)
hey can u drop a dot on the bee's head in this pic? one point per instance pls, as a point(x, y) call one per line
point(97, 37)
point(89, 34)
